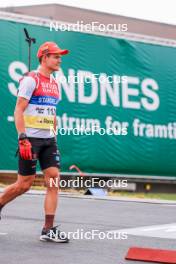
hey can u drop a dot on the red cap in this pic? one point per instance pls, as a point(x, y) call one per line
point(50, 47)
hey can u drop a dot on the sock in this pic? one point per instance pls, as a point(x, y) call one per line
point(49, 221)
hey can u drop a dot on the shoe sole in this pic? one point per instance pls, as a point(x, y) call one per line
point(47, 239)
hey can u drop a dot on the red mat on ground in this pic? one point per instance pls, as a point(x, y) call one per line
point(151, 255)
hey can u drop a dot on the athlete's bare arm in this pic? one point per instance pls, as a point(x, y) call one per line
point(55, 123)
point(20, 107)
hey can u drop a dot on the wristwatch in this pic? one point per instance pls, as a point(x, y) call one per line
point(22, 136)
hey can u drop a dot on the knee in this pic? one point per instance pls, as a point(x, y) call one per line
point(52, 181)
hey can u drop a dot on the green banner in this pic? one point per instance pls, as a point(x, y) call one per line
point(122, 86)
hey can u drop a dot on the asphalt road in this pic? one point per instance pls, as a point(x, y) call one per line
point(145, 225)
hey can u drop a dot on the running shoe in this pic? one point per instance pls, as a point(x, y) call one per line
point(54, 235)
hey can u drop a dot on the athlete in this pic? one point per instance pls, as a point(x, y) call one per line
point(35, 120)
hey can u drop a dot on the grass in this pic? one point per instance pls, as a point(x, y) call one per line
point(160, 196)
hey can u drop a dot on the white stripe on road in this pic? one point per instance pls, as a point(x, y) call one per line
point(2, 234)
point(160, 227)
point(161, 231)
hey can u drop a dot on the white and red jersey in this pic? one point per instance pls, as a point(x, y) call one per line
point(43, 95)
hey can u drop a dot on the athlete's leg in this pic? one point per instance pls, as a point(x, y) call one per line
point(51, 176)
point(50, 163)
point(22, 185)
point(49, 232)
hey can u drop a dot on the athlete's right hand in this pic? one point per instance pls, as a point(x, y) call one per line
point(25, 147)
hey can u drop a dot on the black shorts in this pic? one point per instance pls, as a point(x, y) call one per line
point(45, 150)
